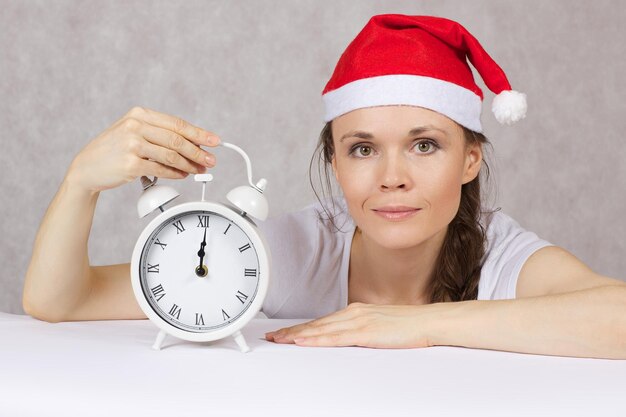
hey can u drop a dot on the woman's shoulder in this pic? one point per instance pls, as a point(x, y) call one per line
point(508, 245)
point(496, 223)
point(501, 228)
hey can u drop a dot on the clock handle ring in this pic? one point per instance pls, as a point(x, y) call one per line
point(260, 186)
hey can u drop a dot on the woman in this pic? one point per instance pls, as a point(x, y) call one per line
point(419, 265)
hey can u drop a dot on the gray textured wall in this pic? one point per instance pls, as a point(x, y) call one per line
point(253, 72)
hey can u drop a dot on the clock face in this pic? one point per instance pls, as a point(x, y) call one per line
point(192, 295)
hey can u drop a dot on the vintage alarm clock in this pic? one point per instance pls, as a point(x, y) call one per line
point(200, 270)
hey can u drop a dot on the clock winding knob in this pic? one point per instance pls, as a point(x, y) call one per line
point(154, 196)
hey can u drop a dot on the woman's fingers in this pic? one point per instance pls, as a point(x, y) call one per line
point(142, 142)
point(308, 331)
point(170, 148)
point(175, 124)
point(156, 169)
point(337, 318)
point(168, 158)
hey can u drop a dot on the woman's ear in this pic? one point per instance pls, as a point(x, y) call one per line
point(473, 162)
point(334, 165)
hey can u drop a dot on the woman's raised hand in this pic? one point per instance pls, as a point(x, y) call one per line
point(143, 142)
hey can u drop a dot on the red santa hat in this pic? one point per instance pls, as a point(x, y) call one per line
point(420, 61)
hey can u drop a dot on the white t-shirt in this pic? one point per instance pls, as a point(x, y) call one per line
point(310, 260)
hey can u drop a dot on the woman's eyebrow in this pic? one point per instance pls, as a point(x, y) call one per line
point(357, 134)
point(418, 130)
point(366, 135)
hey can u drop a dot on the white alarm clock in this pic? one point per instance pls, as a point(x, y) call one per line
point(200, 270)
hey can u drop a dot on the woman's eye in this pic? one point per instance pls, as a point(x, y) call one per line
point(364, 150)
point(425, 146)
point(361, 150)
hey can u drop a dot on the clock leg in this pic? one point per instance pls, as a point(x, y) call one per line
point(241, 341)
point(159, 340)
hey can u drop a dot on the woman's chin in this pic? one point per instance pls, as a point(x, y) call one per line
point(402, 235)
point(398, 238)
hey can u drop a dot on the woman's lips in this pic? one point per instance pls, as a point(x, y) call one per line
point(396, 215)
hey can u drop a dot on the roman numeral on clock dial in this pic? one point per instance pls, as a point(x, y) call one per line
point(199, 319)
point(158, 292)
point(179, 226)
point(241, 296)
point(244, 247)
point(175, 312)
point(204, 221)
point(162, 245)
point(153, 268)
point(249, 272)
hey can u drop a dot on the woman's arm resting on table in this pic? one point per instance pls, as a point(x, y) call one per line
point(562, 308)
point(588, 323)
point(589, 320)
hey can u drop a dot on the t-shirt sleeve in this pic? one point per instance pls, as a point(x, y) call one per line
point(293, 239)
point(308, 262)
point(508, 247)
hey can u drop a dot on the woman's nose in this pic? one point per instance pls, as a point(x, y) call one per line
point(394, 173)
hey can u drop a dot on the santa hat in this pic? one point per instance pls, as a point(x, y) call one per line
point(421, 61)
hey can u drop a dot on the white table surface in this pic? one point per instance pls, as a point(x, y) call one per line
point(108, 368)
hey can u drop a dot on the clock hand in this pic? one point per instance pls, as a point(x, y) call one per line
point(202, 245)
point(200, 271)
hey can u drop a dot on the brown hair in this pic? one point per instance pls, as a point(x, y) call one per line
point(457, 269)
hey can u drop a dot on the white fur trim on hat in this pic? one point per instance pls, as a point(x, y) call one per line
point(509, 106)
point(458, 103)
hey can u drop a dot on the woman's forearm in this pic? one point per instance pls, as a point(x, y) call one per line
point(57, 278)
point(588, 323)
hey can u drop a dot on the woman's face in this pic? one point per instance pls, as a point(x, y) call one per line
point(402, 156)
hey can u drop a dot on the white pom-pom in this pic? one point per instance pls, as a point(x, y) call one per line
point(509, 106)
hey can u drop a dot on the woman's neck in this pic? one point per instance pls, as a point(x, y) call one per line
point(379, 275)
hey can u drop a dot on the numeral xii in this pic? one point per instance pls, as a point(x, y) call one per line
point(203, 221)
